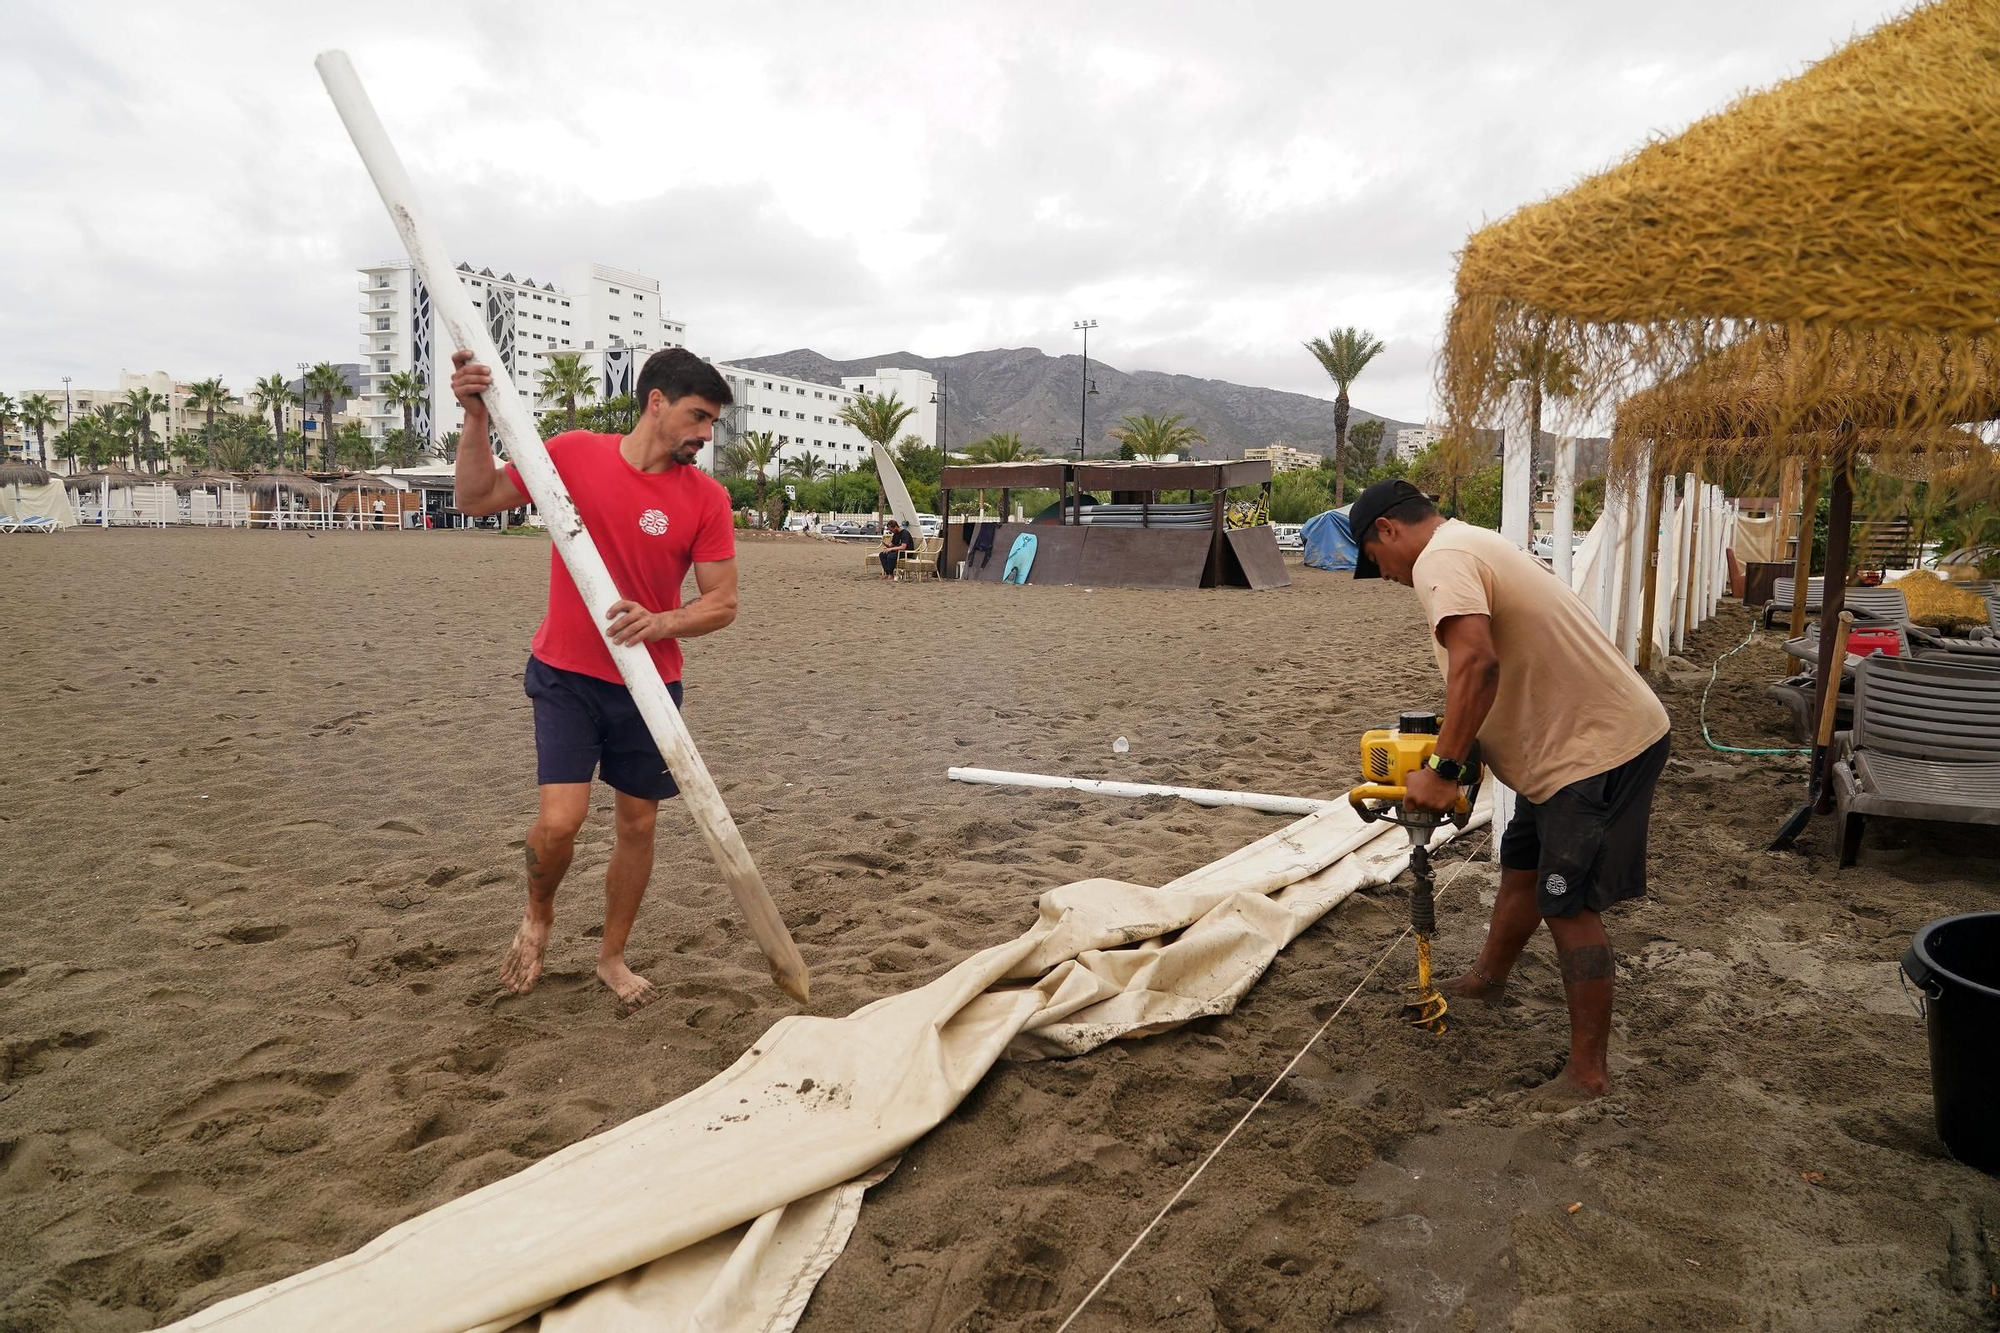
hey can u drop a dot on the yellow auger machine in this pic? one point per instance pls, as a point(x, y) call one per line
point(1388, 757)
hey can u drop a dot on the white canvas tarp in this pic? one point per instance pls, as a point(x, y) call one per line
point(20, 500)
point(722, 1209)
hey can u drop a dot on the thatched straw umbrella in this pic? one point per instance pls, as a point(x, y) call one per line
point(277, 488)
point(1851, 208)
point(23, 474)
point(1815, 260)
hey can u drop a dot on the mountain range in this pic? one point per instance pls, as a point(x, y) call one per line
point(1021, 389)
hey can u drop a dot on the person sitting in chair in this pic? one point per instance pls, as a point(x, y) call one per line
point(896, 539)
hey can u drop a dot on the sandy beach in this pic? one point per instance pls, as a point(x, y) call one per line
point(264, 796)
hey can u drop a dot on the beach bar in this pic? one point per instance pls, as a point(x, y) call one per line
point(1130, 538)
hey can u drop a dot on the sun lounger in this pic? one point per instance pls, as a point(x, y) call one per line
point(1982, 647)
point(34, 523)
point(1878, 603)
point(1925, 745)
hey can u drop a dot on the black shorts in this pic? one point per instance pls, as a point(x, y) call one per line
point(1587, 842)
point(583, 724)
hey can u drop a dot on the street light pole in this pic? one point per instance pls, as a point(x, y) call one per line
point(45, 451)
point(303, 409)
point(1083, 390)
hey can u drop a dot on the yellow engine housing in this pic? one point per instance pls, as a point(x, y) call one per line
point(1388, 756)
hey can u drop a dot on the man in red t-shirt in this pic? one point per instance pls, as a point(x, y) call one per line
point(653, 515)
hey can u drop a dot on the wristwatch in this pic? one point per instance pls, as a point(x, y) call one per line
point(1451, 770)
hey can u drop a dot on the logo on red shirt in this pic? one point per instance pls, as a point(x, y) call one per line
point(653, 523)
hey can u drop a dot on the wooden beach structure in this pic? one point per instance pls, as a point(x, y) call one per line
point(1130, 539)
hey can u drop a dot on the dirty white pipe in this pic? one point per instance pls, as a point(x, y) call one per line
point(579, 553)
point(1247, 800)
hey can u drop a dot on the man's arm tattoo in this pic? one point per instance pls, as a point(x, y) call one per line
point(1588, 962)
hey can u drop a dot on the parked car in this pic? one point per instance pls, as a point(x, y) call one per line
point(848, 527)
point(1291, 536)
point(929, 525)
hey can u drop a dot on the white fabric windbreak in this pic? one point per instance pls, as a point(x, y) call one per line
point(722, 1209)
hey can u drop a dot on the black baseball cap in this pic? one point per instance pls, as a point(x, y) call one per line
point(1372, 503)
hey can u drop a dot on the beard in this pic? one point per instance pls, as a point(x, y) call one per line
point(687, 451)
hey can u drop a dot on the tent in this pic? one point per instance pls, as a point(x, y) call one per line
point(1329, 541)
point(27, 491)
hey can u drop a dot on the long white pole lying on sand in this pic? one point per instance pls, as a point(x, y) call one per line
point(1248, 800)
point(578, 551)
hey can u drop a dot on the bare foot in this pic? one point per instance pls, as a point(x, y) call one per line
point(626, 984)
point(1472, 986)
point(523, 965)
point(1563, 1092)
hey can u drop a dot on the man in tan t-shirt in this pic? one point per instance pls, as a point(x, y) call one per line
point(1560, 717)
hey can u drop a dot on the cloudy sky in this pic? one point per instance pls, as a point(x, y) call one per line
point(1213, 182)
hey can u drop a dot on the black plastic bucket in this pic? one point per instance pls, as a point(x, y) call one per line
point(1955, 962)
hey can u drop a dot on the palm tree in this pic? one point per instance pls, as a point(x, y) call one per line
point(115, 430)
point(240, 445)
point(271, 394)
point(402, 448)
point(731, 460)
point(353, 449)
point(807, 466)
point(328, 382)
point(70, 444)
point(448, 446)
point(760, 450)
point(406, 389)
point(1343, 354)
point(1155, 437)
point(210, 396)
point(8, 414)
point(1005, 447)
point(38, 413)
point(568, 381)
point(142, 404)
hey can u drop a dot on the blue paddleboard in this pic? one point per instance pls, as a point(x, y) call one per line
point(1020, 559)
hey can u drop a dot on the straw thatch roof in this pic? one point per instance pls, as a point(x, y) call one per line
point(90, 481)
point(1849, 210)
point(23, 474)
point(201, 481)
point(265, 485)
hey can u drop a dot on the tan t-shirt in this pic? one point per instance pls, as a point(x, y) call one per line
point(1569, 705)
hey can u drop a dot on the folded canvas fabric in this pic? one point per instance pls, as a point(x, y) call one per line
point(721, 1209)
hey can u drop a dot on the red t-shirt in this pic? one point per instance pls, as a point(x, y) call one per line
point(649, 527)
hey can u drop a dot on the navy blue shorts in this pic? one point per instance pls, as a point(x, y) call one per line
point(1587, 842)
point(584, 725)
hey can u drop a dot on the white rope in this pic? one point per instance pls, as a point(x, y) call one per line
point(1214, 1152)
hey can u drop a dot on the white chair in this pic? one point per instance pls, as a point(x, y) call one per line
point(34, 523)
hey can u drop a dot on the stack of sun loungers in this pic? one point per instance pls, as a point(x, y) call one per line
point(1880, 607)
point(1925, 744)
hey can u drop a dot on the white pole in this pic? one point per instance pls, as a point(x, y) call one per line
point(1665, 582)
point(1517, 496)
point(1248, 800)
point(1565, 515)
point(1683, 571)
point(1609, 568)
point(1638, 504)
point(579, 553)
point(1725, 527)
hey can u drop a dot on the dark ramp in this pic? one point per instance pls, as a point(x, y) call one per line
point(1058, 552)
point(1252, 559)
point(1142, 558)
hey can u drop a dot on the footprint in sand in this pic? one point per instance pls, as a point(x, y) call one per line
point(32, 1055)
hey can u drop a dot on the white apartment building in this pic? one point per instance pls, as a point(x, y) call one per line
point(74, 402)
point(1284, 458)
point(802, 415)
point(914, 388)
point(612, 317)
point(1413, 440)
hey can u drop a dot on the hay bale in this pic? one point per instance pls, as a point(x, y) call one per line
point(1936, 604)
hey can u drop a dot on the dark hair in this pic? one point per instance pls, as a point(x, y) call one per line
point(676, 373)
point(1413, 510)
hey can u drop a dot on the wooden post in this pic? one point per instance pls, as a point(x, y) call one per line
point(1216, 537)
point(1839, 518)
point(516, 427)
point(1006, 504)
point(1802, 562)
point(1650, 563)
